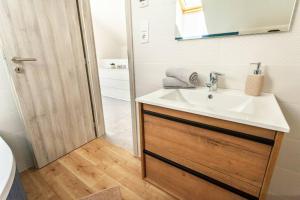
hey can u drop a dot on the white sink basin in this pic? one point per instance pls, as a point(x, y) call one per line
point(215, 101)
point(231, 105)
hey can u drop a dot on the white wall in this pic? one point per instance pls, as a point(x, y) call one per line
point(279, 52)
point(109, 24)
point(11, 126)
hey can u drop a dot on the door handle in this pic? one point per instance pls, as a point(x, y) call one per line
point(19, 59)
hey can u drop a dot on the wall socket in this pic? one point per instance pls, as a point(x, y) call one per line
point(143, 3)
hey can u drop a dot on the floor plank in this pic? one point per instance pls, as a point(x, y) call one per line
point(64, 183)
point(96, 166)
point(36, 187)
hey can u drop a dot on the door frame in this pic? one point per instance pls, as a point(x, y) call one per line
point(84, 9)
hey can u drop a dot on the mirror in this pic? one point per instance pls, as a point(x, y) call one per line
point(196, 19)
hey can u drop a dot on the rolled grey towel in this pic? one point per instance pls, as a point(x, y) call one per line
point(171, 82)
point(184, 75)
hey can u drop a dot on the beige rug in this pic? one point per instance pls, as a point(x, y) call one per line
point(113, 193)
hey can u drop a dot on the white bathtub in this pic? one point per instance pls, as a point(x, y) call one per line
point(7, 169)
point(114, 83)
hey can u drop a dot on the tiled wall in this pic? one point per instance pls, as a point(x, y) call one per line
point(280, 54)
point(11, 126)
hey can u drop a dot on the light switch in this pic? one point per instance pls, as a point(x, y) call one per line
point(143, 3)
point(144, 32)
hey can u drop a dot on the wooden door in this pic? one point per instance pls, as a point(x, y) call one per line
point(53, 91)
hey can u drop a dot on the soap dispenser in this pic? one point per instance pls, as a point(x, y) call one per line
point(255, 80)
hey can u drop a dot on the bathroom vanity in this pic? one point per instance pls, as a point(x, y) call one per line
point(201, 145)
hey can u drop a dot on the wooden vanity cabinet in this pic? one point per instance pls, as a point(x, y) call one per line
point(197, 157)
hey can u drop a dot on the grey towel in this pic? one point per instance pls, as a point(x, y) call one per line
point(184, 75)
point(171, 82)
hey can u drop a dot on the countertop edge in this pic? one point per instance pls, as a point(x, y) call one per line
point(226, 118)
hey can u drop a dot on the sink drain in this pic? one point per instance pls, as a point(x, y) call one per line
point(210, 96)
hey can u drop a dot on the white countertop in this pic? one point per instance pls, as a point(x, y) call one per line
point(7, 169)
point(226, 104)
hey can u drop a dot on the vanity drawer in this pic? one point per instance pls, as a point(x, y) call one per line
point(182, 184)
point(235, 161)
point(266, 134)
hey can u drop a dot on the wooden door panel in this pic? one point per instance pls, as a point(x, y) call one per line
point(53, 91)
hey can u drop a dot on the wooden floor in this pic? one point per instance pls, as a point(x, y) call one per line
point(93, 167)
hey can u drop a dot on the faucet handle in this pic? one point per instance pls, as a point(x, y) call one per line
point(215, 75)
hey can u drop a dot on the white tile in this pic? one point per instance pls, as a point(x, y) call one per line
point(284, 82)
point(148, 81)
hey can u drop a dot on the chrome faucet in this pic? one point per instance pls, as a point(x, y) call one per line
point(213, 81)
